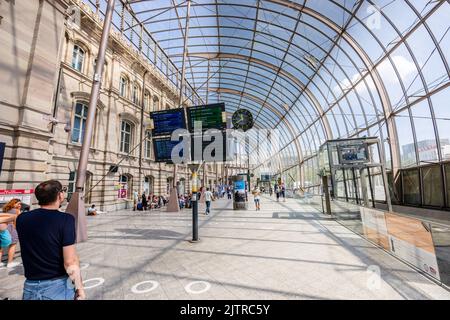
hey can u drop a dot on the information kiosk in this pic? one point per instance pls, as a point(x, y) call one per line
point(353, 170)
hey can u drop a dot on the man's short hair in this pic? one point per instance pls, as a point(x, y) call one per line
point(47, 192)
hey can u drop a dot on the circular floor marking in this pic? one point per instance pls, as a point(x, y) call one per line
point(135, 289)
point(99, 281)
point(188, 288)
point(84, 266)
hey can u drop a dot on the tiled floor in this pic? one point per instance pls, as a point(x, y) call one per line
point(295, 254)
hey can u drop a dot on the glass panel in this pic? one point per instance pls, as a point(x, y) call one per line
point(411, 187)
point(406, 139)
point(432, 186)
point(447, 183)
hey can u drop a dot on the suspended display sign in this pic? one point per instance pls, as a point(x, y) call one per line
point(167, 121)
point(164, 147)
point(211, 117)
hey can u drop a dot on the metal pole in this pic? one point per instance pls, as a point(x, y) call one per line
point(183, 66)
point(207, 81)
point(76, 206)
point(173, 202)
point(141, 133)
point(195, 200)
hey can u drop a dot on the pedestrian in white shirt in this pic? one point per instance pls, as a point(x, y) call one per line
point(208, 198)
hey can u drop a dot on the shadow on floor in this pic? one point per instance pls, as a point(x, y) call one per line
point(145, 234)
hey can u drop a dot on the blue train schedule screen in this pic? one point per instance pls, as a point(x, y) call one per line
point(165, 122)
point(163, 150)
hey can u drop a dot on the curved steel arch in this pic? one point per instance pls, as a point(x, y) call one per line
point(369, 74)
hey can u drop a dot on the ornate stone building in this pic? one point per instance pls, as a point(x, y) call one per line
point(46, 70)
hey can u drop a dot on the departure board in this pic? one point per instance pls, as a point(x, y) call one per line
point(163, 149)
point(211, 117)
point(167, 121)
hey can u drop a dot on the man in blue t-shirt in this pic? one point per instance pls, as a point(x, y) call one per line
point(47, 242)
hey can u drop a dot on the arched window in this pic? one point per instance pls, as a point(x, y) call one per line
point(123, 85)
point(182, 186)
point(79, 122)
point(78, 58)
point(136, 93)
point(169, 185)
point(147, 105)
point(149, 182)
point(148, 145)
point(126, 136)
point(155, 104)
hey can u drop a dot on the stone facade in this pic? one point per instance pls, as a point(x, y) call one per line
point(41, 79)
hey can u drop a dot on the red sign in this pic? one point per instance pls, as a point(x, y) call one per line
point(122, 193)
point(16, 191)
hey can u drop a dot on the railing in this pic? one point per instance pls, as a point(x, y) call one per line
point(420, 243)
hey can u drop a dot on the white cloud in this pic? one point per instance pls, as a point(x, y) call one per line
point(403, 65)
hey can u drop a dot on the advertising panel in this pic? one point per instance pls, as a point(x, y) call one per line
point(411, 240)
point(24, 195)
point(374, 226)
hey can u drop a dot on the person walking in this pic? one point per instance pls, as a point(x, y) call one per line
point(283, 192)
point(12, 207)
point(277, 192)
point(5, 235)
point(229, 193)
point(208, 198)
point(257, 198)
point(47, 242)
point(144, 202)
point(135, 199)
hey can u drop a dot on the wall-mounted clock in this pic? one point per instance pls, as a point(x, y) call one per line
point(243, 120)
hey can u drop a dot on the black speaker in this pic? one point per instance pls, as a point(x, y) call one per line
point(113, 169)
point(2, 153)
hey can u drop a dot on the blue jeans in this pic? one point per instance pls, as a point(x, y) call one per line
point(208, 206)
point(55, 289)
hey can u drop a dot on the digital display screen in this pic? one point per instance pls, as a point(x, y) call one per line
point(354, 154)
point(211, 117)
point(163, 149)
point(167, 121)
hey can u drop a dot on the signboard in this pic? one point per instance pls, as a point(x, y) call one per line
point(163, 149)
point(266, 178)
point(411, 240)
point(239, 186)
point(350, 154)
point(167, 121)
point(24, 195)
point(374, 225)
point(211, 117)
point(2, 154)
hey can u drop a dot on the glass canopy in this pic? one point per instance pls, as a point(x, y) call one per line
point(313, 69)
